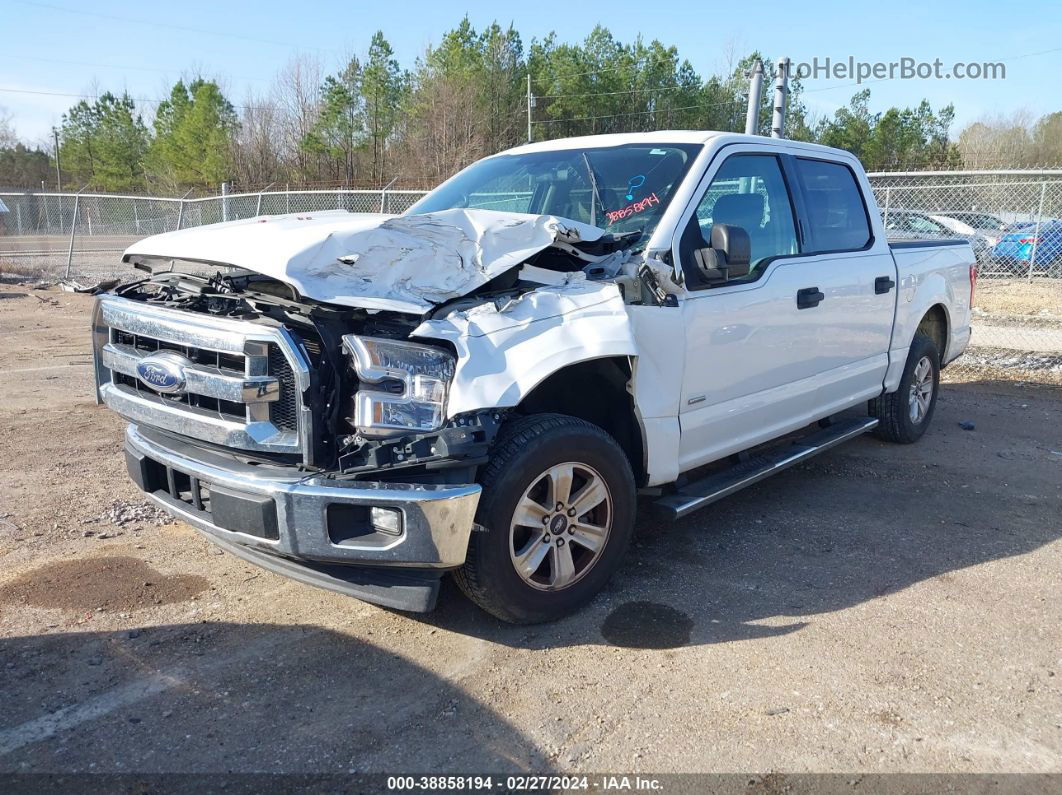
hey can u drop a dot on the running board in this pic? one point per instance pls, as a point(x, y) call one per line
point(722, 484)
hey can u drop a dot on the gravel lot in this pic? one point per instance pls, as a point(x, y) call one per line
point(880, 609)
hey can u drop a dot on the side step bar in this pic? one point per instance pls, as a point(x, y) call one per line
point(722, 484)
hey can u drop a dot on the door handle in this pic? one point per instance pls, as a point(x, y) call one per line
point(883, 284)
point(809, 297)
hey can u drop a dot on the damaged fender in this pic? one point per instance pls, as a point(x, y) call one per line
point(505, 352)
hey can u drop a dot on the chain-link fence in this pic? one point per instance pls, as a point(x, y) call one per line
point(1011, 219)
point(82, 236)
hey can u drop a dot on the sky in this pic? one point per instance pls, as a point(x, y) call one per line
point(53, 48)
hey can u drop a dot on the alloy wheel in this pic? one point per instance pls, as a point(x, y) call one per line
point(921, 394)
point(560, 526)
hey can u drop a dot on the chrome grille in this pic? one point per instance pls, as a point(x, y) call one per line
point(242, 386)
point(125, 350)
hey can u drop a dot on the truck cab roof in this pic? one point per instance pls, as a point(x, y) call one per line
point(670, 137)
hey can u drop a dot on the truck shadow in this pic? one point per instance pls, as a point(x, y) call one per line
point(226, 697)
point(856, 524)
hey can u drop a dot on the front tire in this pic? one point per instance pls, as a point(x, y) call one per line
point(905, 414)
point(557, 515)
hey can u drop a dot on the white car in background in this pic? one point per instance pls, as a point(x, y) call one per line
point(915, 225)
point(970, 224)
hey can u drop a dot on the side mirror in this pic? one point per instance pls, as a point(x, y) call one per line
point(728, 255)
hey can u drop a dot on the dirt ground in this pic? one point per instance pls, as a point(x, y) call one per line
point(1017, 333)
point(1011, 298)
point(880, 609)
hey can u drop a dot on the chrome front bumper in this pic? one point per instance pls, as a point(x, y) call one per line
point(276, 512)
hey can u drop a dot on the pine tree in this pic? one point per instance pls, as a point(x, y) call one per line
point(194, 129)
point(103, 144)
point(338, 131)
point(381, 90)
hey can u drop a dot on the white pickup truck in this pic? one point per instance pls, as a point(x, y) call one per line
point(485, 384)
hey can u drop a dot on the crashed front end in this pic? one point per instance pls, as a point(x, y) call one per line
point(243, 451)
point(317, 414)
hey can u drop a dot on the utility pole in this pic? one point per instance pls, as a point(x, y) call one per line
point(781, 91)
point(73, 231)
point(752, 118)
point(58, 173)
point(530, 104)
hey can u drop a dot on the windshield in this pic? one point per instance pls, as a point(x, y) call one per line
point(621, 189)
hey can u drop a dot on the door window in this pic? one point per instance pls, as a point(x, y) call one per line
point(835, 209)
point(748, 191)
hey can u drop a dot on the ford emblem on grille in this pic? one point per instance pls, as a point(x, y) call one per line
point(163, 372)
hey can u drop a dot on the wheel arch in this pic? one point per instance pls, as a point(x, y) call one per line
point(597, 391)
point(929, 314)
point(936, 325)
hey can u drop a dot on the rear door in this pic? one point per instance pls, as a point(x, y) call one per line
point(807, 332)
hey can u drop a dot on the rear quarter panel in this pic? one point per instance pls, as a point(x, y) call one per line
point(930, 275)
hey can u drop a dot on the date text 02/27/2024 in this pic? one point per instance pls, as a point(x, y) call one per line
point(522, 783)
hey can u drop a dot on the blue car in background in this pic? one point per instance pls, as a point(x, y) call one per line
point(1014, 250)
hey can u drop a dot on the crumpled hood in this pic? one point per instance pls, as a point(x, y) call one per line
point(403, 263)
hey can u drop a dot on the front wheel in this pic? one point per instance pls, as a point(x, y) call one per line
point(557, 514)
point(904, 414)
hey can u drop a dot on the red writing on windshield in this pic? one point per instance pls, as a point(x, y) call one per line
point(631, 209)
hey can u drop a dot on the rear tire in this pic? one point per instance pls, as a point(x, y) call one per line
point(905, 414)
point(556, 517)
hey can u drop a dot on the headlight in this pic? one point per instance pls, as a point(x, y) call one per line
point(403, 385)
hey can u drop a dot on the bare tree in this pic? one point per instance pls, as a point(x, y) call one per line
point(998, 141)
point(442, 133)
point(297, 94)
point(8, 138)
point(258, 154)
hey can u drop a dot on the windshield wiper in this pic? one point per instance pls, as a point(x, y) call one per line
point(595, 196)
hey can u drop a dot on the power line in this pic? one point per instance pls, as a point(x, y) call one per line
point(1029, 55)
point(636, 113)
point(611, 93)
point(605, 69)
point(111, 66)
point(845, 85)
point(97, 96)
point(168, 25)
